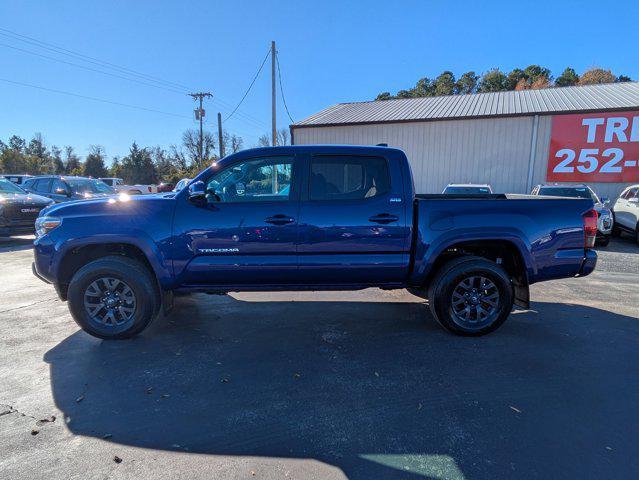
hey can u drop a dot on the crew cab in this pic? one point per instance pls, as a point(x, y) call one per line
point(309, 218)
point(137, 189)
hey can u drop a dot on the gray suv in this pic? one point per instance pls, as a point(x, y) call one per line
point(63, 188)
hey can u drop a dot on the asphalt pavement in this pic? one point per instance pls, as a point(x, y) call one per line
point(332, 385)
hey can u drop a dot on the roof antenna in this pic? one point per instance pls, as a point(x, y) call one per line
point(382, 145)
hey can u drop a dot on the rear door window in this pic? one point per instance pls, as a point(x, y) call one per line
point(343, 177)
point(43, 185)
point(59, 187)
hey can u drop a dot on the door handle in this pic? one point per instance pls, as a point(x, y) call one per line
point(383, 218)
point(279, 219)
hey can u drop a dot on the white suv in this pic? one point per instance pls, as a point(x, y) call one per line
point(626, 211)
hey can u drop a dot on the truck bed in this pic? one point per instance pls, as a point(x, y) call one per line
point(548, 231)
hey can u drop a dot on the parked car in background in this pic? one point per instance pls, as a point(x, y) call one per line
point(181, 184)
point(165, 187)
point(17, 179)
point(467, 189)
point(137, 189)
point(605, 217)
point(350, 220)
point(63, 188)
point(18, 209)
point(626, 211)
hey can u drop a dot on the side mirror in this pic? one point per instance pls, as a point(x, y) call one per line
point(197, 192)
point(605, 200)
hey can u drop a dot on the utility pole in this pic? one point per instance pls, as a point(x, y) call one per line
point(199, 115)
point(219, 134)
point(273, 116)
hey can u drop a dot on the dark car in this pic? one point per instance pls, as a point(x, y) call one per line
point(316, 217)
point(17, 179)
point(18, 209)
point(63, 188)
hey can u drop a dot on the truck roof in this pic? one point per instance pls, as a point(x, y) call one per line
point(361, 149)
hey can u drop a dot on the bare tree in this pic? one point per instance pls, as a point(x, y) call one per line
point(264, 141)
point(282, 136)
point(236, 143)
point(191, 143)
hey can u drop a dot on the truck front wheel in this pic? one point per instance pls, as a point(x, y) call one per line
point(113, 297)
point(471, 296)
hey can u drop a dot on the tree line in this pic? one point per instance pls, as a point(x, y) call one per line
point(145, 165)
point(531, 77)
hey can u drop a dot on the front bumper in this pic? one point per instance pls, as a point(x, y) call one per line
point(588, 264)
point(34, 270)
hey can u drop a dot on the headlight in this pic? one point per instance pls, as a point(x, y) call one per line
point(44, 225)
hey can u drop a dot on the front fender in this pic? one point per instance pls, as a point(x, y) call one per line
point(50, 254)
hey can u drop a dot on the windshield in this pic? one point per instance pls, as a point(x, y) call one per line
point(571, 192)
point(7, 186)
point(468, 190)
point(87, 185)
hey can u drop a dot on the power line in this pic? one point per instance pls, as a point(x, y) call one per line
point(86, 58)
point(92, 69)
point(250, 86)
point(95, 99)
point(172, 86)
point(279, 74)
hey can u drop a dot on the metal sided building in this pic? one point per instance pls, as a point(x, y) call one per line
point(512, 140)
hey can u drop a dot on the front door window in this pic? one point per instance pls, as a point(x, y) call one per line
point(255, 180)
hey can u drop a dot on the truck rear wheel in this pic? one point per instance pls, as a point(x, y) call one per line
point(113, 297)
point(471, 296)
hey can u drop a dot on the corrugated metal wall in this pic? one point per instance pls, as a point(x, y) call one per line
point(494, 150)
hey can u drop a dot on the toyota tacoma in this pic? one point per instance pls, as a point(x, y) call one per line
point(309, 218)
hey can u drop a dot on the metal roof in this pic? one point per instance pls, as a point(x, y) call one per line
point(612, 96)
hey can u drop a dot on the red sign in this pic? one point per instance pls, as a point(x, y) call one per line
point(594, 147)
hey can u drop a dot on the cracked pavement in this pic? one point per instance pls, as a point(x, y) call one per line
point(330, 385)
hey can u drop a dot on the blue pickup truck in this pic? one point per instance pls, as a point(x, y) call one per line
point(309, 218)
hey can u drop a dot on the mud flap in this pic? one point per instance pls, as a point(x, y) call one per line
point(522, 293)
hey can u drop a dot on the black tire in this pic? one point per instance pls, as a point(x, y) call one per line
point(447, 282)
point(143, 308)
point(603, 240)
point(616, 231)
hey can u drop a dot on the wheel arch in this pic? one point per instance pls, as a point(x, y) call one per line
point(505, 253)
point(76, 256)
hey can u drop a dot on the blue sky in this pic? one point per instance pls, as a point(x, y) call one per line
point(330, 52)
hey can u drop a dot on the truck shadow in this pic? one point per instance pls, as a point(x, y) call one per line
point(375, 389)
